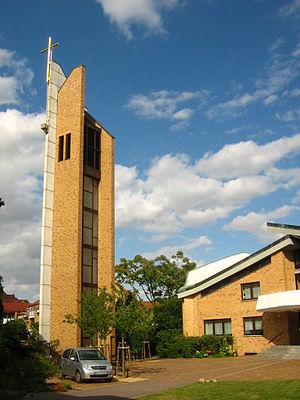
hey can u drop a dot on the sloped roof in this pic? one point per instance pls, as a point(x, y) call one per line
point(284, 228)
point(222, 269)
point(200, 274)
point(11, 304)
point(10, 308)
point(35, 303)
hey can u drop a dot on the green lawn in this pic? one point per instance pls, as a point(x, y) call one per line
point(232, 390)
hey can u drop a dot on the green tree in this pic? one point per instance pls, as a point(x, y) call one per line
point(173, 273)
point(23, 358)
point(168, 315)
point(145, 323)
point(157, 279)
point(127, 312)
point(97, 314)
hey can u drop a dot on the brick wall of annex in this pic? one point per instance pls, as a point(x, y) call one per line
point(226, 302)
point(67, 215)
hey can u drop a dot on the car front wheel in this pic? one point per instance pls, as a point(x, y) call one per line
point(78, 376)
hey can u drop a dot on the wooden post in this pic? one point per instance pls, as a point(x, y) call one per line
point(118, 359)
point(124, 351)
point(145, 347)
point(123, 358)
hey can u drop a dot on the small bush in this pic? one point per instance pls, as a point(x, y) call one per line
point(172, 344)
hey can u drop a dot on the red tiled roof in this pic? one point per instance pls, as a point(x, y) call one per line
point(8, 298)
point(11, 304)
point(10, 308)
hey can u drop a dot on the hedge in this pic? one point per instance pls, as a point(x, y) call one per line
point(172, 344)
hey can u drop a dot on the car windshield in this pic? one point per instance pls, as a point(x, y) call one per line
point(91, 355)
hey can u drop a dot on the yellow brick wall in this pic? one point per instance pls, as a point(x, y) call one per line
point(226, 302)
point(106, 214)
point(67, 215)
point(106, 217)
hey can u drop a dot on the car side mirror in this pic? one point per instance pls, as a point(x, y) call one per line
point(72, 358)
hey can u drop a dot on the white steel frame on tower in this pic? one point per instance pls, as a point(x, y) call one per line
point(55, 78)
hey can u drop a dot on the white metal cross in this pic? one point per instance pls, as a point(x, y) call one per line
point(49, 58)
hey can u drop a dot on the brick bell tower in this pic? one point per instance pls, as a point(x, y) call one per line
point(77, 250)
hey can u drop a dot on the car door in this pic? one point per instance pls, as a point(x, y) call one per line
point(64, 363)
point(73, 363)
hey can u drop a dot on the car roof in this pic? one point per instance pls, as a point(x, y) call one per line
point(81, 348)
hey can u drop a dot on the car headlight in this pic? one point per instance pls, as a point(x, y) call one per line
point(87, 367)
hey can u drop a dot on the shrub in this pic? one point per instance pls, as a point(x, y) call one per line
point(172, 344)
point(24, 365)
point(167, 346)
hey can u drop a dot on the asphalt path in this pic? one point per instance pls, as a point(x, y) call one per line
point(157, 375)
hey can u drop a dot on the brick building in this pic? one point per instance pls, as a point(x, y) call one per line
point(13, 307)
point(77, 251)
point(255, 297)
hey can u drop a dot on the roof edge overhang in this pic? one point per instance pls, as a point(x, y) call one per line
point(278, 302)
point(240, 266)
point(284, 228)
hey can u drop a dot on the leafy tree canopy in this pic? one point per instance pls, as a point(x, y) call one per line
point(155, 279)
point(132, 318)
point(97, 314)
point(127, 312)
point(24, 364)
point(168, 314)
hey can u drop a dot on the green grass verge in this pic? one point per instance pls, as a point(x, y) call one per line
point(232, 390)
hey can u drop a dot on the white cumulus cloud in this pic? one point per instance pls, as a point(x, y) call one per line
point(21, 163)
point(164, 104)
point(146, 13)
point(176, 194)
point(255, 223)
point(14, 77)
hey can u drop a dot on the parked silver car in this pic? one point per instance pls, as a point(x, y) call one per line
point(85, 363)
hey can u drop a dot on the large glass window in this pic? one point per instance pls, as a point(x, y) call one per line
point(90, 233)
point(92, 147)
point(90, 193)
point(218, 327)
point(253, 326)
point(297, 259)
point(250, 291)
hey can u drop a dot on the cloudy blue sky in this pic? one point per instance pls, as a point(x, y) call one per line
point(202, 97)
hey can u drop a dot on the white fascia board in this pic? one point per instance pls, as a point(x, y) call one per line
point(279, 301)
point(260, 255)
point(284, 229)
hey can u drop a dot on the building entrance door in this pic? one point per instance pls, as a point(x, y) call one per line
point(294, 327)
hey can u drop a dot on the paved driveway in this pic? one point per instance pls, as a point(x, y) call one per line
point(157, 375)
